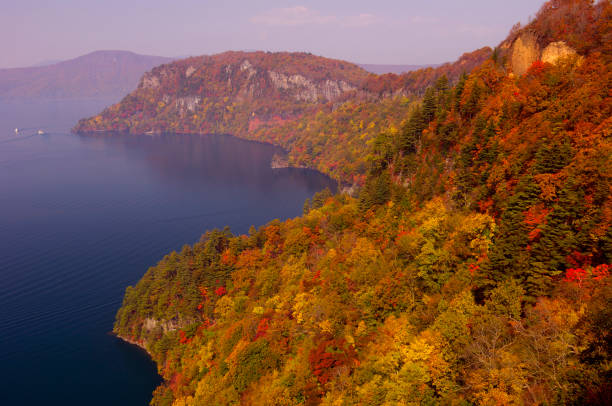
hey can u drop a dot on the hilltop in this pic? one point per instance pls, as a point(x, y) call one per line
point(97, 74)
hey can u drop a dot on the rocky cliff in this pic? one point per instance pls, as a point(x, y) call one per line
point(229, 92)
point(526, 49)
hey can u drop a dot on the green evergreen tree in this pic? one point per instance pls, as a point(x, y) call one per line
point(559, 238)
point(429, 105)
point(443, 95)
point(458, 92)
point(509, 256)
point(319, 198)
point(472, 106)
point(552, 156)
point(411, 133)
point(376, 190)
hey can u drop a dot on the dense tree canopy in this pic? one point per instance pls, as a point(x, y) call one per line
point(473, 267)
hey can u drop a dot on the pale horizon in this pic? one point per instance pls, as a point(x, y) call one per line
point(389, 33)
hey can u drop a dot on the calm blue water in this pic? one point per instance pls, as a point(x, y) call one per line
point(83, 217)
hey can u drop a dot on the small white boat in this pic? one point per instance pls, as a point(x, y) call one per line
point(16, 130)
point(40, 132)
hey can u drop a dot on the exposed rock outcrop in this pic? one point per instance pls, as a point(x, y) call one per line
point(248, 67)
point(149, 80)
point(149, 324)
point(279, 162)
point(188, 103)
point(557, 50)
point(525, 50)
point(190, 71)
point(166, 325)
point(307, 90)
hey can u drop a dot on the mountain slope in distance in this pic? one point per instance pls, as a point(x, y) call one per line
point(381, 69)
point(97, 74)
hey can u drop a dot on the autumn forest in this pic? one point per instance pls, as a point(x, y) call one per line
point(465, 260)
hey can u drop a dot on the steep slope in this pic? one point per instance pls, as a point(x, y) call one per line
point(98, 74)
point(473, 269)
point(338, 139)
point(228, 92)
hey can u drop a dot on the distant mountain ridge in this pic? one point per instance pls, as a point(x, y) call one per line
point(97, 74)
point(381, 69)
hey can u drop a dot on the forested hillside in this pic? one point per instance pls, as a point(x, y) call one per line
point(472, 268)
point(298, 101)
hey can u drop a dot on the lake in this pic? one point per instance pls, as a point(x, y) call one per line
point(82, 217)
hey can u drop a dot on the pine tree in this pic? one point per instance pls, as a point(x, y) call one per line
point(559, 239)
point(459, 91)
point(552, 156)
point(429, 105)
point(382, 188)
point(443, 93)
point(466, 162)
point(376, 191)
point(509, 256)
point(411, 133)
point(319, 198)
point(472, 106)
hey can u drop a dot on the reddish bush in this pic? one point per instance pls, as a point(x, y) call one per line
point(329, 356)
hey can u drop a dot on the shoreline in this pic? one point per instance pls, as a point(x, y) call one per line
point(134, 343)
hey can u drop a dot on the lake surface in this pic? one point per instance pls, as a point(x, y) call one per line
point(83, 217)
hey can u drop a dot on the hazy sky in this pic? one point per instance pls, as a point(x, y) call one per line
point(373, 31)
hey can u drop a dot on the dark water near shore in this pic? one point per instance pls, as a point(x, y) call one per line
point(83, 217)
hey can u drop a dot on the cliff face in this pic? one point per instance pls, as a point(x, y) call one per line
point(526, 50)
point(304, 89)
point(226, 92)
point(245, 79)
point(555, 51)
